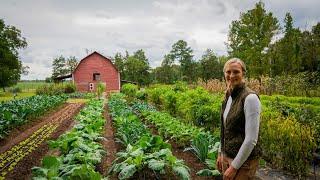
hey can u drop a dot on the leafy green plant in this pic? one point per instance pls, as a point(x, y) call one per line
point(17, 112)
point(130, 90)
point(287, 143)
point(144, 151)
point(101, 87)
point(80, 150)
point(200, 146)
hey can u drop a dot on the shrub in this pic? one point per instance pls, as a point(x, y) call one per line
point(141, 94)
point(287, 143)
point(15, 90)
point(197, 106)
point(130, 90)
point(70, 88)
point(56, 89)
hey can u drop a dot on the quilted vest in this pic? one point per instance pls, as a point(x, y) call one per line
point(233, 132)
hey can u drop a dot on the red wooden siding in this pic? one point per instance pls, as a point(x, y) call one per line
point(96, 63)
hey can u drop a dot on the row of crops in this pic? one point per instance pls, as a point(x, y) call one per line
point(289, 130)
point(11, 157)
point(79, 148)
point(200, 142)
point(145, 155)
point(17, 112)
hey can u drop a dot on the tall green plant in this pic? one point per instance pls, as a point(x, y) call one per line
point(101, 87)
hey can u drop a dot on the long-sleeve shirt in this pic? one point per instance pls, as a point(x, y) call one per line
point(252, 109)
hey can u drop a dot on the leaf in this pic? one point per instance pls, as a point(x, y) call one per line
point(39, 172)
point(182, 172)
point(127, 172)
point(156, 165)
point(51, 162)
point(208, 172)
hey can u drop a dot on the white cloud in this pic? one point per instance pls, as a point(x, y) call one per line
point(56, 27)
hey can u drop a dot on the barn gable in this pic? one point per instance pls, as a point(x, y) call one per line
point(96, 68)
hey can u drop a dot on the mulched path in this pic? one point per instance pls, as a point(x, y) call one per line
point(109, 144)
point(63, 117)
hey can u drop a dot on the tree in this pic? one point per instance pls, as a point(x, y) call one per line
point(183, 54)
point(59, 67)
point(168, 72)
point(284, 54)
point(249, 38)
point(119, 63)
point(71, 64)
point(210, 68)
point(10, 65)
point(137, 71)
point(134, 67)
point(141, 56)
point(316, 39)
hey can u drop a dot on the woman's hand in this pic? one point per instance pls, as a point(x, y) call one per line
point(230, 173)
point(219, 163)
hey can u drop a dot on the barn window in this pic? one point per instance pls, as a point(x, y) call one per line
point(96, 76)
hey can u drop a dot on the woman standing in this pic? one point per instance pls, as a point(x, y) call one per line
point(240, 116)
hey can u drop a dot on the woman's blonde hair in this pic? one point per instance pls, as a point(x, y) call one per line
point(235, 60)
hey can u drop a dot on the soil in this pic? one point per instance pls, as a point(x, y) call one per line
point(109, 145)
point(63, 117)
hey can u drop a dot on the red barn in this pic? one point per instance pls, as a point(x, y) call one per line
point(93, 69)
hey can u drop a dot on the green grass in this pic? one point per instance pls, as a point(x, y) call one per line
point(7, 96)
point(30, 86)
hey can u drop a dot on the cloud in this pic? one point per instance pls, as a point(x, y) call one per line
point(56, 27)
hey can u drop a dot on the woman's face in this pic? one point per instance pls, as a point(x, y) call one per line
point(233, 75)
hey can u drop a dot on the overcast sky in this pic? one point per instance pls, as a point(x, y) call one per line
point(69, 27)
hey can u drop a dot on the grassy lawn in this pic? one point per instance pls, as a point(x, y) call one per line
point(7, 96)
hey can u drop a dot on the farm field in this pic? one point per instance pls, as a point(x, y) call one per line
point(152, 133)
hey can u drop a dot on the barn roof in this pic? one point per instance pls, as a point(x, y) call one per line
point(95, 52)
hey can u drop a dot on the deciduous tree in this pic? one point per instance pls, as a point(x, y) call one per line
point(10, 65)
point(250, 37)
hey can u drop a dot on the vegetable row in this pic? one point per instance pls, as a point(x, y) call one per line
point(80, 149)
point(145, 154)
point(202, 143)
point(17, 112)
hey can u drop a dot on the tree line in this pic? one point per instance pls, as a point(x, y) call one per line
point(256, 38)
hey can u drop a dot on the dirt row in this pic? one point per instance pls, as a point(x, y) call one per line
point(61, 120)
point(112, 147)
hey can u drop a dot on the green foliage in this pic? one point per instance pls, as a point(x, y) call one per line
point(198, 107)
point(62, 66)
point(15, 90)
point(210, 67)
point(81, 95)
point(143, 151)
point(17, 112)
point(101, 87)
point(183, 54)
point(56, 89)
point(250, 36)
point(10, 65)
point(134, 67)
point(208, 172)
point(200, 146)
point(80, 150)
point(130, 90)
point(194, 106)
point(287, 143)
